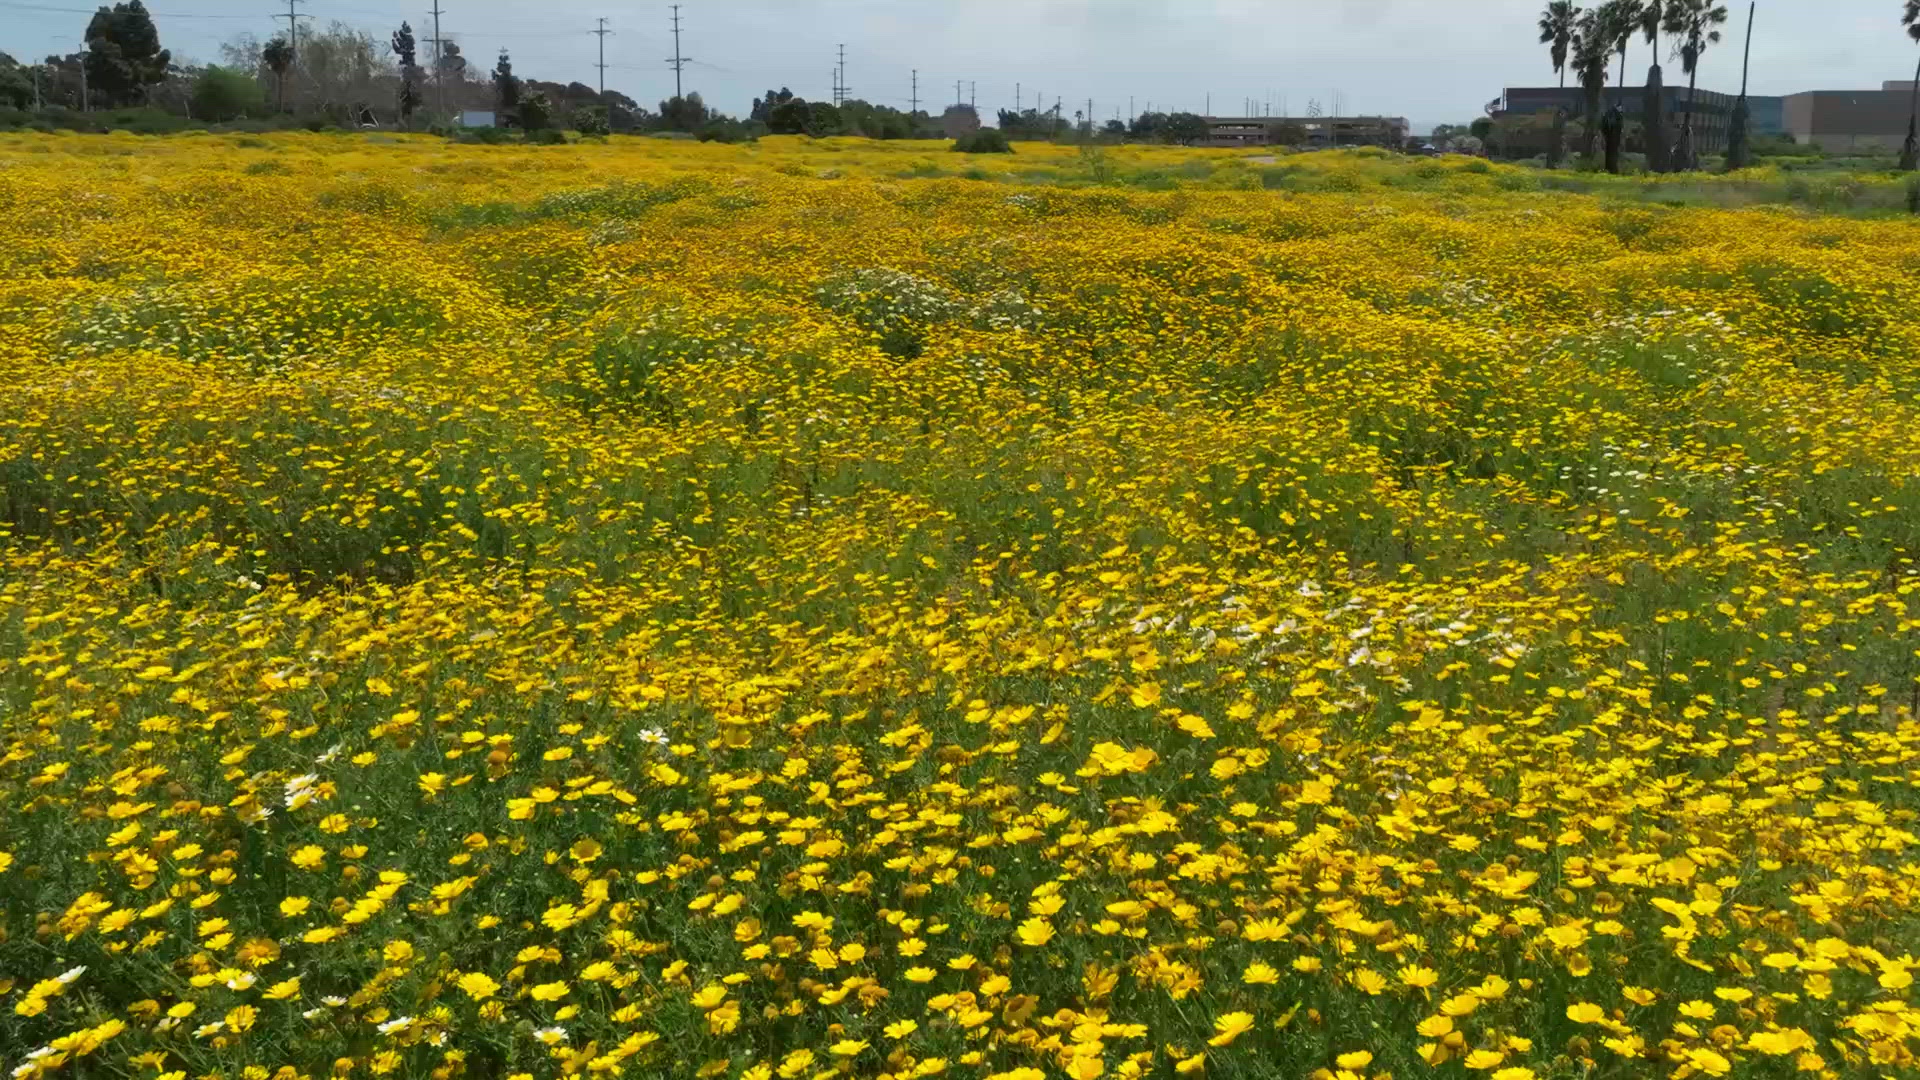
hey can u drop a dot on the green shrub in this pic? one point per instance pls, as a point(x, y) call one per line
point(984, 141)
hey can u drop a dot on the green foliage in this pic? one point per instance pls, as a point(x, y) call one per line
point(124, 57)
point(16, 84)
point(687, 113)
point(984, 141)
point(591, 120)
point(222, 94)
point(535, 111)
point(789, 117)
point(506, 89)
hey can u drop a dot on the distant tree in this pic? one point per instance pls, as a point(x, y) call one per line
point(623, 113)
point(1910, 150)
point(342, 69)
point(591, 120)
point(1480, 128)
point(789, 117)
point(1696, 24)
point(763, 106)
point(449, 66)
point(823, 119)
point(124, 56)
point(16, 83)
point(1187, 128)
point(1592, 56)
point(872, 121)
point(278, 57)
point(1147, 127)
point(534, 111)
point(684, 113)
point(403, 50)
point(506, 89)
point(60, 78)
point(1621, 18)
point(1287, 133)
point(221, 94)
point(1556, 31)
point(1114, 128)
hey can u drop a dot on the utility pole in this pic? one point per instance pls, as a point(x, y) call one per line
point(602, 33)
point(957, 99)
point(840, 79)
point(1089, 116)
point(1016, 99)
point(678, 62)
point(293, 27)
point(439, 64)
point(973, 95)
point(913, 103)
point(86, 99)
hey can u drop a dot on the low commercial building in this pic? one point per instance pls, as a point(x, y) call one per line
point(1846, 121)
point(1711, 110)
point(1309, 131)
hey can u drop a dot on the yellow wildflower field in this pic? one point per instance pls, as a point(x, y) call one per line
point(836, 609)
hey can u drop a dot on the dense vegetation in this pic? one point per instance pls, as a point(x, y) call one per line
point(821, 608)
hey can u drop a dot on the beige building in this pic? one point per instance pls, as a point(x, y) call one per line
point(1850, 120)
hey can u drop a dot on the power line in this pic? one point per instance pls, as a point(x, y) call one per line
point(439, 63)
point(678, 62)
point(293, 27)
point(602, 33)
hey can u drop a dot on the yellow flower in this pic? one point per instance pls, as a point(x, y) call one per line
point(478, 986)
point(847, 1048)
point(1514, 1072)
point(1189, 1066)
point(1780, 1042)
point(1586, 1013)
point(551, 991)
point(1230, 1027)
point(900, 1029)
point(1418, 977)
point(1484, 1059)
point(1257, 974)
point(283, 990)
point(1036, 932)
point(1354, 1060)
point(1708, 1061)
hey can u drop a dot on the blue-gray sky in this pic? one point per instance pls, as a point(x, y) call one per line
point(1430, 62)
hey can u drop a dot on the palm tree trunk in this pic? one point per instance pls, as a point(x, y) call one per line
point(1910, 149)
point(1693, 149)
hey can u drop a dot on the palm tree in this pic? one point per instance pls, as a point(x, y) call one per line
point(1592, 56)
point(1695, 23)
point(1623, 18)
point(1556, 29)
point(1653, 109)
point(1910, 150)
point(278, 56)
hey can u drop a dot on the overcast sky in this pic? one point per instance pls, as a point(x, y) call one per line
point(1430, 62)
